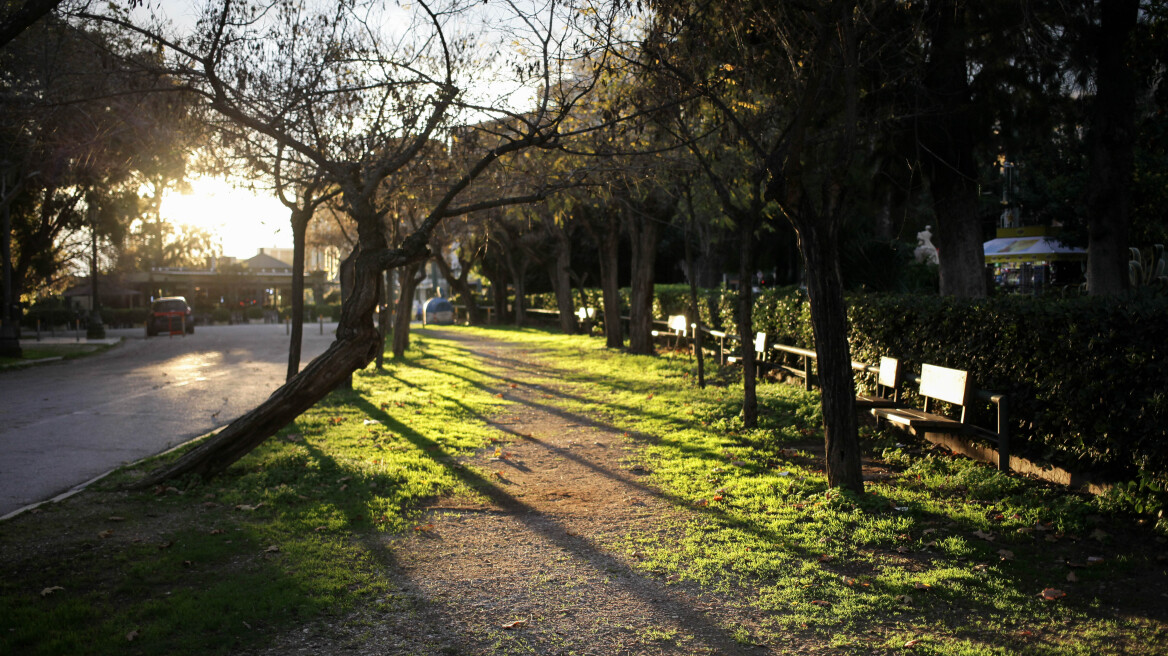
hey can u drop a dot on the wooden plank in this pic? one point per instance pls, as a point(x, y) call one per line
point(944, 384)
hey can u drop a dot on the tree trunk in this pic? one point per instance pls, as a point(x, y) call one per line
point(354, 348)
point(644, 234)
point(1111, 144)
point(461, 286)
point(384, 315)
point(747, 225)
point(411, 276)
point(610, 282)
point(299, 230)
point(829, 322)
point(948, 142)
point(560, 272)
point(695, 315)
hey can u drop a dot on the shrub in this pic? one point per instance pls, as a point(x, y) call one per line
point(1085, 376)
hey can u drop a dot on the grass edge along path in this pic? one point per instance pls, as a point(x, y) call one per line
point(947, 557)
point(211, 568)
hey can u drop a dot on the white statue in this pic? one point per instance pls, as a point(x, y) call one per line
point(925, 251)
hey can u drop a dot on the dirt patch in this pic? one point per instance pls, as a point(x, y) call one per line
point(539, 567)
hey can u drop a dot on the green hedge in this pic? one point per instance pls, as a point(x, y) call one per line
point(1087, 378)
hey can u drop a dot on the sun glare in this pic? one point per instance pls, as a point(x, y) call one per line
point(243, 221)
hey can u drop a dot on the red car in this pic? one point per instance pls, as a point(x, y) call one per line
point(170, 314)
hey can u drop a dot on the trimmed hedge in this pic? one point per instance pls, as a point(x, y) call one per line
point(1086, 377)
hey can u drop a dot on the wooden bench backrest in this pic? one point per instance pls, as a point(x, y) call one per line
point(889, 375)
point(943, 384)
point(760, 343)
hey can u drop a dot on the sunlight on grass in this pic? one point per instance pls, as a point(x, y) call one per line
point(946, 555)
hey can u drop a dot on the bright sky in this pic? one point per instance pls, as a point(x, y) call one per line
point(244, 221)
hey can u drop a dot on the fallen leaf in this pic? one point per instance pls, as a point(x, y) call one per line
point(701, 503)
point(273, 549)
point(820, 602)
point(115, 518)
point(903, 549)
point(106, 533)
point(913, 643)
point(921, 586)
point(131, 635)
point(988, 537)
point(48, 591)
point(210, 504)
point(1051, 594)
point(904, 599)
point(849, 581)
point(517, 624)
point(217, 531)
point(165, 545)
point(1094, 560)
point(826, 558)
point(1006, 554)
point(1071, 577)
point(318, 529)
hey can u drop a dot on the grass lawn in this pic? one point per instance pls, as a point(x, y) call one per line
point(944, 555)
point(31, 351)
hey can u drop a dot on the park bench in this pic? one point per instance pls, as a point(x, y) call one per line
point(677, 328)
point(944, 385)
point(887, 394)
point(760, 360)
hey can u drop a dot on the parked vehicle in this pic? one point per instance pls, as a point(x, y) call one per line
point(170, 314)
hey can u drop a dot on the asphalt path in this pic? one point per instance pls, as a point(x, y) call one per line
point(65, 423)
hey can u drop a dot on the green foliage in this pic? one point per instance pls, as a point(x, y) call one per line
point(1084, 376)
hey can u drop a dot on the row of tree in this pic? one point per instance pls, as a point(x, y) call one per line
point(802, 127)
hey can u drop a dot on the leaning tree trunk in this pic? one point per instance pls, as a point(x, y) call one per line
point(299, 230)
point(829, 322)
point(355, 346)
point(644, 233)
point(610, 283)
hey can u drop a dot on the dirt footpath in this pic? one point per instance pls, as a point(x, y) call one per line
point(538, 568)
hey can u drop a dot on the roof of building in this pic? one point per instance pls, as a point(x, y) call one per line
point(265, 261)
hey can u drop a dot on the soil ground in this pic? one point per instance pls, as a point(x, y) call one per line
point(540, 563)
point(536, 568)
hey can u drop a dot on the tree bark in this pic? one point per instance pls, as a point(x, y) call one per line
point(833, 354)
point(461, 286)
point(1111, 142)
point(747, 225)
point(695, 315)
point(643, 233)
point(560, 272)
point(610, 281)
point(355, 346)
point(299, 231)
point(411, 276)
point(948, 144)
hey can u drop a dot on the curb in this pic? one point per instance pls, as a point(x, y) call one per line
point(82, 486)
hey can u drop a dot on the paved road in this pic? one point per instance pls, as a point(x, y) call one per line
point(64, 423)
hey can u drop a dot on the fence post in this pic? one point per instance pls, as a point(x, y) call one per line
point(320, 318)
